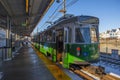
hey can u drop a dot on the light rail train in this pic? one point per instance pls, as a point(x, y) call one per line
point(70, 40)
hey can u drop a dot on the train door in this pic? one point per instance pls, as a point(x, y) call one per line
point(59, 44)
point(65, 54)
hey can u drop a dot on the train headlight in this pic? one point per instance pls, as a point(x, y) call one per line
point(78, 51)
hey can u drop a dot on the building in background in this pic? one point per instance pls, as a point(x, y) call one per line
point(111, 34)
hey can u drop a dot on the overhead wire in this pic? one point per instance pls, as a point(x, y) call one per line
point(71, 3)
point(55, 15)
point(67, 6)
point(51, 15)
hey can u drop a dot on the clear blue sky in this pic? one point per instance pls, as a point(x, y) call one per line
point(108, 11)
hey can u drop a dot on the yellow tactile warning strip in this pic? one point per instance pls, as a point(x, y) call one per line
point(53, 68)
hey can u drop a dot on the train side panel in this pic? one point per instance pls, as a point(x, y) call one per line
point(48, 49)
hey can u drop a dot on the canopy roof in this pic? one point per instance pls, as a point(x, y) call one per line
point(24, 14)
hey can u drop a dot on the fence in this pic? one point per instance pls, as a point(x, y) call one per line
point(109, 50)
point(109, 45)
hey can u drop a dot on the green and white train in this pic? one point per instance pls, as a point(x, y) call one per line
point(71, 39)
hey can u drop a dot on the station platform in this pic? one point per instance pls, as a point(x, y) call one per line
point(30, 65)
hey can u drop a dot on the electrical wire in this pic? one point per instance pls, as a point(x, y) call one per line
point(52, 15)
point(55, 15)
point(67, 6)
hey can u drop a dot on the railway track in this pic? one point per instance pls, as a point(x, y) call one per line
point(92, 72)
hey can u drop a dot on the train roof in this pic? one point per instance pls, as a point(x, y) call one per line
point(71, 18)
point(81, 19)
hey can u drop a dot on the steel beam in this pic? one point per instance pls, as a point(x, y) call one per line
point(7, 8)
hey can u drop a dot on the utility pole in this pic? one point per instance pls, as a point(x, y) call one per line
point(64, 8)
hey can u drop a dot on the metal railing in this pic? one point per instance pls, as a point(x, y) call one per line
point(109, 50)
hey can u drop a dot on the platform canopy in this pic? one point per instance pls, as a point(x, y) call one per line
point(24, 14)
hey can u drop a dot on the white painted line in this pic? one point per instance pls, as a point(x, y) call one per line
point(96, 78)
point(113, 74)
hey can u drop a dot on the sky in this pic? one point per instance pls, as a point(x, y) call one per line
point(108, 12)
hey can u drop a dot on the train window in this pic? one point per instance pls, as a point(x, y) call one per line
point(65, 40)
point(69, 35)
point(53, 36)
point(45, 37)
point(93, 35)
point(41, 37)
point(49, 36)
point(78, 36)
point(86, 34)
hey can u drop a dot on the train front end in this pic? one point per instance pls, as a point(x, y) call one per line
point(85, 46)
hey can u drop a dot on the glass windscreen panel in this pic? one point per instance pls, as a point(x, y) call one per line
point(86, 35)
point(93, 34)
point(78, 36)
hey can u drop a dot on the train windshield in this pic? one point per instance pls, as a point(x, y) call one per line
point(85, 35)
point(80, 34)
